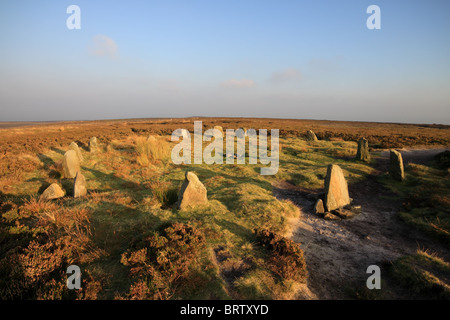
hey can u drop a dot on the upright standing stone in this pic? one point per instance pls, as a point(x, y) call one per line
point(71, 164)
point(79, 186)
point(311, 136)
point(396, 169)
point(54, 191)
point(73, 146)
point(192, 192)
point(336, 189)
point(363, 150)
point(93, 145)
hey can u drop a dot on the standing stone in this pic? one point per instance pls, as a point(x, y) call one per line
point(363, 150)
point(71, 164)
point(311, 136)
point(336, 189)
point(219, 128)
point(396, 169)
point(93, 145)
point(54, 191)
point(79, 186)
point(192, 192)
point(318, 207)
point(73, 146)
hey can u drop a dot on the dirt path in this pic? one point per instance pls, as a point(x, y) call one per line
point(338, 252)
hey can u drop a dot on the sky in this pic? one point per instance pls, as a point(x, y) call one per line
point(225, 58)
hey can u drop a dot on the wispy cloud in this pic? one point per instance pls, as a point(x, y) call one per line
point(103, 46)
point(240, 84)
point(290, 74)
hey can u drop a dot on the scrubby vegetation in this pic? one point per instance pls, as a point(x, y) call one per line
point(425, 198)
point(423, 274)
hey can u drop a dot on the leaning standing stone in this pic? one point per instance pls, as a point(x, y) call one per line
point(192, 192)
point(73, 146)
point(71, 164)
point(93, 145)
point(363, 150)
point(79, 186)
point(396, 169)
point(311, 136)
point(54, 191)
point(336, 189)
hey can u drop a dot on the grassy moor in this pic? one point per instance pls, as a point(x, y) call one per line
point(256, 237)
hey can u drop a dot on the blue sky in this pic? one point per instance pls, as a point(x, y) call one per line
point(286, 59)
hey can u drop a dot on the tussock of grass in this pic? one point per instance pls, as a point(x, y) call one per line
point(423, 273)
point(150, 151)
point(425, 199)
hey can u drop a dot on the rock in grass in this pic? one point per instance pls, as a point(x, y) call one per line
point(318, 207)
point(54, 191)
point(192, 192)
point(73, 146)
point(79, 186)
point(71, 164)
point(93, 145)
point(311, 136)
point(363, 150)
point(336, 189)
point(396, 169)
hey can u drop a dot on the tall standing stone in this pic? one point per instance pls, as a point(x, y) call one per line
point(93, 145)
point(71, 164)
point(396, 169)
point(79, 186)
point(192, 192)
point(73, 146)
point(363, 150)
point(336, 189)
point(311, 136)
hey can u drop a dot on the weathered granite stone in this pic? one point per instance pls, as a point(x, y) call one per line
point(54, 191)
point(71, 164)
point(192, 192)
point(336, 189)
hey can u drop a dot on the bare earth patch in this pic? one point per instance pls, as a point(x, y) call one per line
point(338, 252)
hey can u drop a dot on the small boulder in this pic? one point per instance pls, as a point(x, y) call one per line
point(330, 216)
point(311, 136)
point(363, 150)
point(79, 186)
point(318, 207)
point(336, 189)
point(93, 145)
point(54, 191)
point(71, 164)
point(343, 213)
point(396, 169)
point(192, 192)
point(73, 146)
